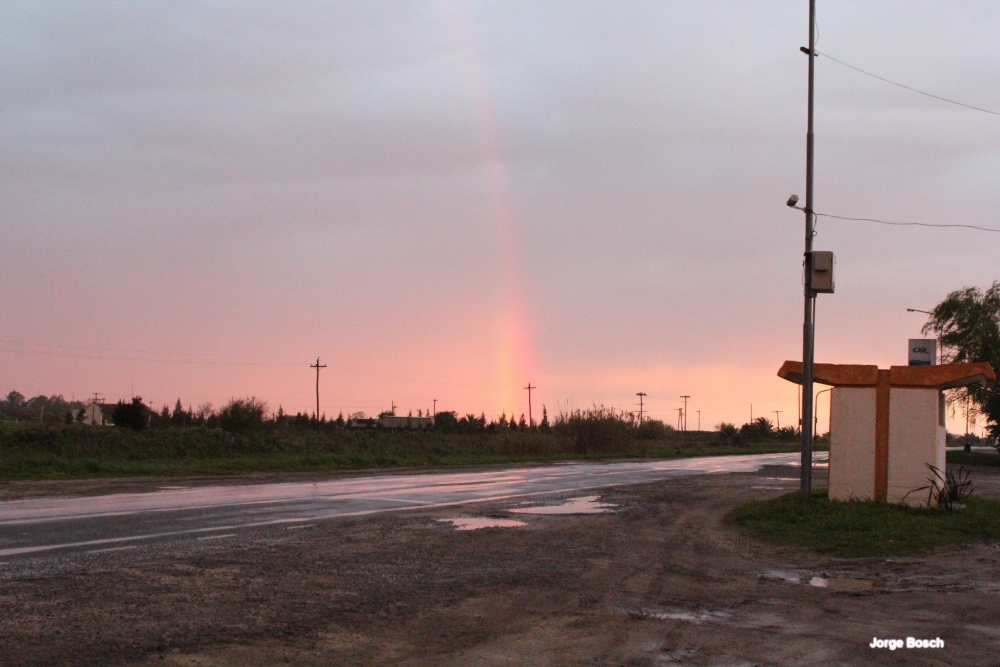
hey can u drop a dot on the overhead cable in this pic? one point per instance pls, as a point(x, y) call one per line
point(897, 223)
point(910, 88)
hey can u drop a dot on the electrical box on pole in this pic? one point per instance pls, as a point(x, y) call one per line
point(821, 279)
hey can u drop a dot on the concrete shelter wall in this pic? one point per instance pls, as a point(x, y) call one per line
point(852, 443)
point(915, 440)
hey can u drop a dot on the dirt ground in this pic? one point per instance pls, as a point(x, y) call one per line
point(661, 581)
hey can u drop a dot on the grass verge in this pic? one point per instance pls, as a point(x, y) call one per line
point(859, 529)
point(73, 451)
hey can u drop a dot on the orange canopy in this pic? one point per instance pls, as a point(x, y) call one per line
point(946, 376)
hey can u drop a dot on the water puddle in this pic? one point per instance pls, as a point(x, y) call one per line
point(584, 505)
point(466, 523)
point(825, 581)
point(677, 614)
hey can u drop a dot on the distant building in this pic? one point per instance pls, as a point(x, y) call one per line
point(391, 421)
point(362, 422)
point(97, 414)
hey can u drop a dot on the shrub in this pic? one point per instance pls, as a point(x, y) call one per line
point(134, 415)
point(243, 414)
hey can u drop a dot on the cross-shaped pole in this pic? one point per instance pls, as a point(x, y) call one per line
point(317, 366)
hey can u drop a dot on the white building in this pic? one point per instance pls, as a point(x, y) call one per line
point(887, 426)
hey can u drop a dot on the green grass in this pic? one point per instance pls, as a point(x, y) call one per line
point(859, 529)
point(974, 458)
point(34, 451)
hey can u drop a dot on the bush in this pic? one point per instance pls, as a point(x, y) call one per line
point(134, 415)
point(243, 414)
point(602, 428)
point(654, 429)
point(728, 434)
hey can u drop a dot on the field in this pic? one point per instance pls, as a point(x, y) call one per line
point(35, 451)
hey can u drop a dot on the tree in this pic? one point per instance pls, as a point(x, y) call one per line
point(544, 426)
point(243, 414)
point(178, 417)
point(967, 327)
point(446, 421)
point(133, 415)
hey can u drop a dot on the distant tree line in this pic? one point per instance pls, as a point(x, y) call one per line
point(759, 430)
point(587, 427)
point(48, 409)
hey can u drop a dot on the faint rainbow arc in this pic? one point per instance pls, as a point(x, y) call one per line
point(515, 362)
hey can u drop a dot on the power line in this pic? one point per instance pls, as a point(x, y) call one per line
point(142, 359)
point(897, 223)
point(910, 88)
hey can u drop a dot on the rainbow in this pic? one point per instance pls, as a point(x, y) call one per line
point(515, 356)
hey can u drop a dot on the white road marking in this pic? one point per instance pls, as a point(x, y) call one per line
point(104, 551)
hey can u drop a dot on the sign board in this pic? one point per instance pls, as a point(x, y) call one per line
point(923, 352)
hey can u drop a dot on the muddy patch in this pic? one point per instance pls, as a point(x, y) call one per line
point(479, 523)
point(584, 505)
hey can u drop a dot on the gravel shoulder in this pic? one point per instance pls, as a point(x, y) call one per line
point(661, 581)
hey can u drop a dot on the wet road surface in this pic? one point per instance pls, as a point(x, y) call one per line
point(40, 534)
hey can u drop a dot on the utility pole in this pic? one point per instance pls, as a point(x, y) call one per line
point(641, 395)
point(317, 366)
point(680, 418)
point(777, 417)
point(699, 420)
point(531, 421)
point(685, 412)
point(435, 408)
point(808, 320)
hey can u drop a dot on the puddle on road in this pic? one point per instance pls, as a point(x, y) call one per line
point(584, 505)
point(833, 583)
point(466, 523)
point(677, 614)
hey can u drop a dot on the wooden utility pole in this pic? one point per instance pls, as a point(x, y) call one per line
point(699, 419)
point(531, 422)
point(680, 418)
point(641, 394)
point(777, 417)
point(685, 412)
point(317, 366)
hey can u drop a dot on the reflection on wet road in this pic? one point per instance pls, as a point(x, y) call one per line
point(112, 523)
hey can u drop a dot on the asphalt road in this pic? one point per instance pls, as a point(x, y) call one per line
point(51, 535)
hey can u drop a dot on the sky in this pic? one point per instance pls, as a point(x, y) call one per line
point(447, 200)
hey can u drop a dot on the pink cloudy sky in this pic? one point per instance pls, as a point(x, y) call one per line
point(448, 199)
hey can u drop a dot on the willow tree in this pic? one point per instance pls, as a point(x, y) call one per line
point(967, 327)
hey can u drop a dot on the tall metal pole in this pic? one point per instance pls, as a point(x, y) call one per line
point(808, 329)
